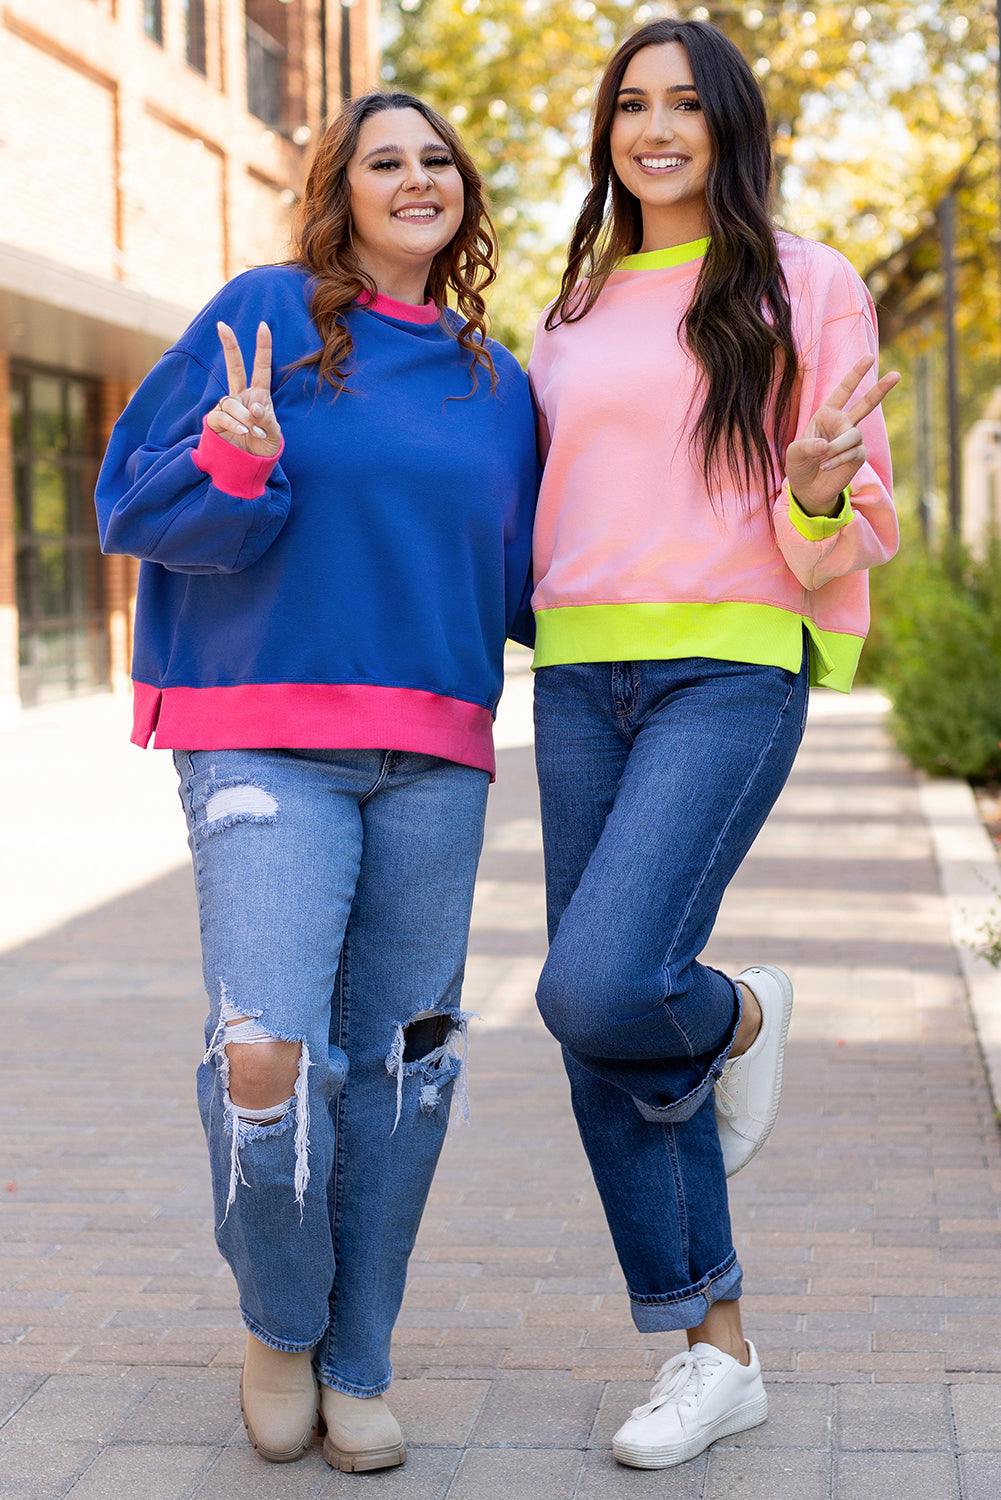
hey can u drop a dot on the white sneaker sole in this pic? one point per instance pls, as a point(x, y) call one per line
point(752, 1148)
point(750, 1414)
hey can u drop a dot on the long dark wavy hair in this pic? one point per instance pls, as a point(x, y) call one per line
point(322, 243)
point(738, 325)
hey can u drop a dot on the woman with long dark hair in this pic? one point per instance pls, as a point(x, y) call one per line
point(708, 510)
point(333, 552)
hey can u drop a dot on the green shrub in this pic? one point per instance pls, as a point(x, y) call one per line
point(989, 934)
point(890, 589)
point(936, 652)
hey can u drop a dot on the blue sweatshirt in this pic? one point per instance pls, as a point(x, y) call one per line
point(357, 592)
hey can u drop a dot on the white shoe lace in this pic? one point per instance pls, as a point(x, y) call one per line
point(680, 1380)
point(724, 1103)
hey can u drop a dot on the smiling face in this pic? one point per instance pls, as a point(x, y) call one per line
point(407, 200)
point(661, 151)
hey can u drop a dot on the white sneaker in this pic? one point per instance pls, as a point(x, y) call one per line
point(698, 1397)
point(746, 1096)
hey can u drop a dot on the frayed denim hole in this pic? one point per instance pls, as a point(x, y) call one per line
point(251, 1131)
point(240, 1131)
point(444, 1034)
point(237, 802)
point(425, 1035)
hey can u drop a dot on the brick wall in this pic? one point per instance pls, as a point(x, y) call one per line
point(57, 178)
point(120, 160)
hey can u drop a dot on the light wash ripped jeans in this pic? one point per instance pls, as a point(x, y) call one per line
point(334, 894)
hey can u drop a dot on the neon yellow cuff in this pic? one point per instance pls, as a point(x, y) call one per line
point(819, 528)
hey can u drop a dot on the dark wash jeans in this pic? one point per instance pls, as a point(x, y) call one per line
point(655, 778)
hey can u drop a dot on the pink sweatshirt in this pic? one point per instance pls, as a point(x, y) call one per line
point(632, 561)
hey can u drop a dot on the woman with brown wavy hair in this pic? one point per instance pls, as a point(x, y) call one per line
point(708, 509)
point(332, 554)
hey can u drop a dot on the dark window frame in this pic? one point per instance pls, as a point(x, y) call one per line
point(266, 61)
point(62, 651)
point(152, 20)
point(195, 33)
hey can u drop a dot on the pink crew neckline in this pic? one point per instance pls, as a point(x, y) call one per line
point(390, 308)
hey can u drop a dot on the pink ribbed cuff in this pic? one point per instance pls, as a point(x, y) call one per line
point(230, 469)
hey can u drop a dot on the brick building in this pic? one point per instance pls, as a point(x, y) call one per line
point(149, 150)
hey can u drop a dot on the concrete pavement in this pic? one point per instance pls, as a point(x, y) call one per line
point(868, 1228)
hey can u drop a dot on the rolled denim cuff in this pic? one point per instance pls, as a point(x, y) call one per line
point(685, 1107)
point(688, 1308)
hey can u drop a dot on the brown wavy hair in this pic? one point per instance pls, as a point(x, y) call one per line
point(738, 325)
point(321, 241)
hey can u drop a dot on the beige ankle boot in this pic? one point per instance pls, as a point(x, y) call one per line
point(362, 1432)
point(278, 1399)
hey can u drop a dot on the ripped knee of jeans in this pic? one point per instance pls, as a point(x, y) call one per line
point(235, 1026)
point(433, 1046)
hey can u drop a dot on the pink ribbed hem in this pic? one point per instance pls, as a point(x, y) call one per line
point(230, 469)
point(390, 308)
point(313, 716)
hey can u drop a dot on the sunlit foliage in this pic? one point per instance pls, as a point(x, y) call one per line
point(878, 110)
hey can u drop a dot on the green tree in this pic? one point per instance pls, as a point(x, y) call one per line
point(873, 159)
point(515, 76)
point(876, 110)
point(879, 109)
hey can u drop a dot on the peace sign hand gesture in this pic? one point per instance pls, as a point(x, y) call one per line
point(825, 460)
point(246, 417)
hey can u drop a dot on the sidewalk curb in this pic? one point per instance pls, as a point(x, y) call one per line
point(971, 877)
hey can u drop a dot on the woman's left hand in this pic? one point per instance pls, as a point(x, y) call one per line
point(825, 460)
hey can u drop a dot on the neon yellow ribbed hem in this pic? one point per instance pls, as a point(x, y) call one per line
point(730, 631)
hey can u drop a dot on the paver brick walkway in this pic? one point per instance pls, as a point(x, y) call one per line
point(868, 1228)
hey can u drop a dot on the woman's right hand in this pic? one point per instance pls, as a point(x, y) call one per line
point(823, 462)
point(245, 417)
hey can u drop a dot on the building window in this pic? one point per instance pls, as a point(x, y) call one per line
point(60, 577)
point(265, 70)
point(153, 20)
point(194, 34)
point(276, 66)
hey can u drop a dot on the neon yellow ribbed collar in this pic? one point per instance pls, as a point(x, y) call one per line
point(662, 260)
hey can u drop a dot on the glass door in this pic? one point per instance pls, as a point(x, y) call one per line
point(60, 575)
